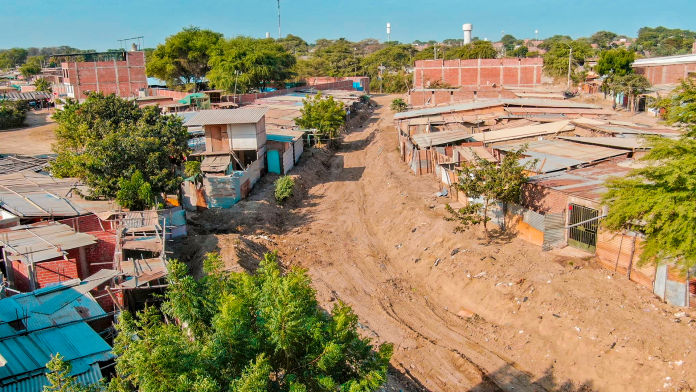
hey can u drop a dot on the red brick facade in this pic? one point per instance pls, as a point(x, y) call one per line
point(426, 97)
point(666, 74)
point(123, 78)
point(481, 72)
point(98, 256)
point(543, 200)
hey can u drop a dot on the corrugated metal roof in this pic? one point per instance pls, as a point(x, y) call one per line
point(468, 154)
point(23, 306)
point(439, 138)
point(37, 383)
point(667, 60)
point(587, 183)
point(34, 195)
point(246, 115)
point(521, 132)
point(42, 242)
point(629, 143)
point(283, 135)
point(26, 356)
point(554, 155)
point(215, 163)
point(30, 96)
point(493, 103)
point(20, 163)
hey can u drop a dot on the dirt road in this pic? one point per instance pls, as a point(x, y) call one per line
point(461, 315)
point(34, 139)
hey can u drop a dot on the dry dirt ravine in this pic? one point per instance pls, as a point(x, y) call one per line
point(372, 235)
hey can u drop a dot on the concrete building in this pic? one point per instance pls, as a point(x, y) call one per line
point(120, 73)
point(666, 70)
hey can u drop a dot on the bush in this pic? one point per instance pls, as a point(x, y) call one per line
point(192, 168)
point(283, 188)
point(13, 114)
point(399, 105)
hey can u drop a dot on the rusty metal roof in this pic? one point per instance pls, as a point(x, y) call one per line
point(36, 195)
point(423, 140)
point(628, 143)
point(521, 132)
point(42, 242)
point(587, 183)
point(522, 102)
point(554, 155)
point(247, 115)
point(21, 163)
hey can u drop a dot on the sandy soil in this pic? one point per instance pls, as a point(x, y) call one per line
point(34, 139)
point(461, 315)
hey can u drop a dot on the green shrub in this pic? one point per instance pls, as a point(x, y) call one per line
point(13, 114)
point(283, 188)
point(192, 168)
point(399, 105)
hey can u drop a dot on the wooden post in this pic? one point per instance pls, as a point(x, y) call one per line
point(616, 267)
point(113, 298)
point(630, 259)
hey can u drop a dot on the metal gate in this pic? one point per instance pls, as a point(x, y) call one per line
point(583, 236)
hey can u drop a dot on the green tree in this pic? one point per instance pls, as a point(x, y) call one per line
point(603, 38)
point(520, 51)
point(31, 67)
point(294, 44)
point(659, 199)
point(16, 56)
point(339, 57)
point(556, 59)
point(311, 68)
point(630, 85)
point(283, 188)
point(13, 113)
point(106, 138)
point(491, 183)
point(615, 62)
point(508, 42)
point(398, 105)
point(426, 54)
point(323, 114)
point(43, 85)
point(60, 380)
point(260, 61)
point(661, 41)
point(183, 57)
point(134, 193)
point(241, 332)
point(474, 50)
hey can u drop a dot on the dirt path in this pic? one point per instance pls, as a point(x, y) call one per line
point(35, 139)
point(461, 315)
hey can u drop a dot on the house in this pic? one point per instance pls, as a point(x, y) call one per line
point(62, 319)
point(283, 150)
point(234, 156)
point(121, 73)
point(666, 70)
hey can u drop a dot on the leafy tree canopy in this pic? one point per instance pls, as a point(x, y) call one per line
point(260, 61)
point(106, 138)
point(294, 44)
point(474, 50)
point(31, 67)
point(615, 62)
point(183, 57)
point(60, 380)
point(43, 85)
point(556, 59)
point(311, 67)
point(549, 42)
point(660, 199)
point(237, 332)
point(520, 52)
point(603, 38)
point(394, 58)
point(661, 41)
point(323, 114)
point(508, 40)
point(339, 56)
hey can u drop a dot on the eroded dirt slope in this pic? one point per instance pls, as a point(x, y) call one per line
point(462, 315)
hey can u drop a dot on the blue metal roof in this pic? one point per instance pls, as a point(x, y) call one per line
point(37, 383)
point(26, 356)
point(22, 306)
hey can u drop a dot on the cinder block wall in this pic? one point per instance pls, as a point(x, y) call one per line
point(666, 74)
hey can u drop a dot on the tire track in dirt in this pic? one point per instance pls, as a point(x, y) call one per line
point(476, 364)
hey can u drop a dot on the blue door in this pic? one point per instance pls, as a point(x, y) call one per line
point(273, 158)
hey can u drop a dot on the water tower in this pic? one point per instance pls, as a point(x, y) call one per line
point(467, 27)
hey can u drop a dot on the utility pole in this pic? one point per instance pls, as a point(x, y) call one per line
point(570, 59)
point(236, 76)
point(381, 76)
point(355, 64)
point(279, 34)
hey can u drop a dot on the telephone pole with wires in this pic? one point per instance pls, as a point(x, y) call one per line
point(279, 34)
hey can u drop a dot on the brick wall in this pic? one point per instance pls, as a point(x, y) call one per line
point(123, 78)
point(666, 74)
point(364, 81)
point(426, 97)
point(543, 200)
point(481, 72)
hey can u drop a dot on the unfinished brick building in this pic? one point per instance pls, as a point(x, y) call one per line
point(666, 70)
point(524, 72)
point(120, 73)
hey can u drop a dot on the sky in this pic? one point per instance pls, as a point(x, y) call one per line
point(99, 24)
